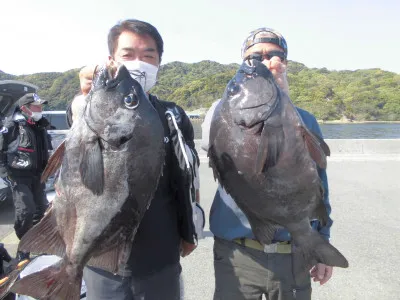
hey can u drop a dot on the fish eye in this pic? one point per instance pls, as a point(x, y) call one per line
point(131, 101)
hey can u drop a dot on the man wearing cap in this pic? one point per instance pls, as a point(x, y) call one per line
point(24, 148)
point(244, 269)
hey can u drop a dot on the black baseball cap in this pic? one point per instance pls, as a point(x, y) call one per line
point(31, 98)
point(264, 35)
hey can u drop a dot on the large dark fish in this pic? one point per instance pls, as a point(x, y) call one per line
point(112, 160)
point(266, 159)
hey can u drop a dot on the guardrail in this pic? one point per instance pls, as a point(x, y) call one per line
point(356, 146)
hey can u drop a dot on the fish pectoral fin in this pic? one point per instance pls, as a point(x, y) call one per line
point(54, 162)
point(44, 237)
point(264, 230)
point(91, 167)
point(271, 140)
point(317, 148)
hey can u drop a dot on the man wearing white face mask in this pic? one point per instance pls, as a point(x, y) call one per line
point(143, 72)
point(167, 230)
point(24, 151)
point(137, 48)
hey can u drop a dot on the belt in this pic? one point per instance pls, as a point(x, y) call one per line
point(279, 247)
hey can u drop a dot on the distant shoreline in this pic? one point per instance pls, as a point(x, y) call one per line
point(331, 122)
point(357, 122)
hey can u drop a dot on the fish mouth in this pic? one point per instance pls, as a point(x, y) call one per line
point(114, 140)
point(251, 119)
point(115, 145)
point(109, 76)
point(252, 129)
point(255, 106)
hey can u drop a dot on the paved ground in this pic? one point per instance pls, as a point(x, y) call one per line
point(364, 193)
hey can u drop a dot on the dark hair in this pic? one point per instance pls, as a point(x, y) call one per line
point(135, 26)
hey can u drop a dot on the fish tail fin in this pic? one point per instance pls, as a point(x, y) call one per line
point(313, 249)
point(51, 283)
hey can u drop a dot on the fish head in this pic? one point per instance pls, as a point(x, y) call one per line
point(116, 105)
point(251, 95)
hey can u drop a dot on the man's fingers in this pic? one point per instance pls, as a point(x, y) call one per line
point(278, 70)
point(313, 270)
point(320, 271)
point(86, 85)
point(87, 72)
point(85, 77)
point(187, 248)
point(328, 275)
point(276, 64)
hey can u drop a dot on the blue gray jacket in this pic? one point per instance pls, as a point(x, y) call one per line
point(228, 222)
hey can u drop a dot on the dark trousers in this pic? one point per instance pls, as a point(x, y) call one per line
point(243, 273)
point(30, 203)
point(102, 285)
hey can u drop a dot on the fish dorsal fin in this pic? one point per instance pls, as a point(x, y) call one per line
point(271, 141)
point(317, 148)
point(54, 162)
point(91, 167)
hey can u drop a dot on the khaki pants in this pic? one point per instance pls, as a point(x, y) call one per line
point(243, 273)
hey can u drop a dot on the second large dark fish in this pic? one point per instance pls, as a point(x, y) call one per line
point(112, 160)
point(266, 159)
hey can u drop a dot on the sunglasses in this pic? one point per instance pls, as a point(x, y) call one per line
point(268, 56)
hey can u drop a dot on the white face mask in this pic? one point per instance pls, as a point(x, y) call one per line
point(142, 72)
point(36, 116)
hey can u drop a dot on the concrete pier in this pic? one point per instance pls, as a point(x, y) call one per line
point(364, 194)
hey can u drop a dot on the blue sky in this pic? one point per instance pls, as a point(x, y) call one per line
point(41, 36)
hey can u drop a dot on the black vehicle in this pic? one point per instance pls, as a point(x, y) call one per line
point(10, 92)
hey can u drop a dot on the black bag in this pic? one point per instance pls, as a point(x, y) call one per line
point(4, 256)
point(5, 194)
point(10, 92)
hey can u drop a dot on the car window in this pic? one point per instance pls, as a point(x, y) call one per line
point(56, 138)
point(58, 121)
